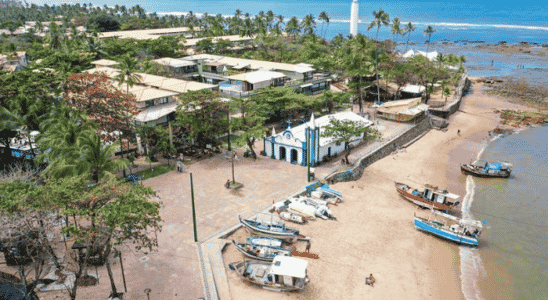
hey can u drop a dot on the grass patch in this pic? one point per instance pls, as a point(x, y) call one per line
point(156, 171)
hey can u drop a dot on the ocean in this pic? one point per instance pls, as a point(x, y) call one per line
point(511, 262)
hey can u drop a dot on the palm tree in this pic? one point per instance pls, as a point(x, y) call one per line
point(309, 23)
point(428, 31)
point(381, 18)
point(280, 19)
point(325, 19)
point(128, 72)
point(408, 29)
point(269, 19)
point(396, 28)
point(247, 28)
point(292, 28)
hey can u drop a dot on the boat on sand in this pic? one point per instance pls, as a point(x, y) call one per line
point(284, 274)
point(460, 231)
point(430, 197)
point(259, 252)
point(273, 230)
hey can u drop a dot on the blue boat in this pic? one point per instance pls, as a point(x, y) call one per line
point(460, 231)
point(487, 170)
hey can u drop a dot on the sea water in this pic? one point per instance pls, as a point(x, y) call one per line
point(512, 259)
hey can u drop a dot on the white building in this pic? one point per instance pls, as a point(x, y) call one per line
point(292, 144)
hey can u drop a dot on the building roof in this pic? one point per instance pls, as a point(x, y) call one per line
point(289, 266)
point(407, 107)
point(105, 62)
point(413, 89)
point(299, 131)
point(150, 79)
point(173, 62)
point(109, 72)
point(156, 112)
point(232, 38)
point(144, 34)
point(189, 86)
point(148, 93)
point(257, 76)
point(253, 64)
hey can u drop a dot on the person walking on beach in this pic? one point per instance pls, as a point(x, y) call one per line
point(308, 247)
point(458, 132)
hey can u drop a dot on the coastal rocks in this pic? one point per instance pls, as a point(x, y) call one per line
point(518, 118)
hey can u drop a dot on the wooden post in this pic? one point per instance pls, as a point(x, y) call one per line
point(193, 209)
point(123, 274)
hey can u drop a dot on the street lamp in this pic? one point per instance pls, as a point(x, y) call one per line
point(147, 291)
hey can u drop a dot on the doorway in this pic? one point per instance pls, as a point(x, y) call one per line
point(283, 155)
point(294, 155)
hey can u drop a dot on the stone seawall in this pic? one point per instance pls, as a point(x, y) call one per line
point(454, 105)
point(398, 142)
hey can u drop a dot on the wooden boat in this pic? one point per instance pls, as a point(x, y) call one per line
point(430, 197)
point(258, 252)
point(277, 231)
point(284, 274)
point(487, 170)
point(460, 231)
point(327, 196)
point(291, 217)
point(264, 241)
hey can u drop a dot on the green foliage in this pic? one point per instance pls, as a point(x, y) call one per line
point(137, 24)
point(102, 23)
point(157, 171)
point(14, 195)
point(203, 116)
point(205, 46)
point(346, 131)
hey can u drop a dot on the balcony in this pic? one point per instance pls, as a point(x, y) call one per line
point(233, 90)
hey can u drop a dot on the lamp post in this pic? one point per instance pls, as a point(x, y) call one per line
point(122, 148)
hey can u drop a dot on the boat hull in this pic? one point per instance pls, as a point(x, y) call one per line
point(444, 234)
point(467, 171)
point(241, 267)
point(283, 235)
point(420, 201)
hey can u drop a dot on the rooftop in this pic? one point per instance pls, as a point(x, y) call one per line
point(289, 266)
point(299, 131)
point(257, 76)
point(156, 112)
point(253, 64)
point(105, 62)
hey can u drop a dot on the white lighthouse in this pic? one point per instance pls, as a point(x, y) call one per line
point(354, 18)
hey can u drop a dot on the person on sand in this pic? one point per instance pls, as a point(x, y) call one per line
point(227, 184)
point(458, 132)
point(308, 247)
point(370, 280)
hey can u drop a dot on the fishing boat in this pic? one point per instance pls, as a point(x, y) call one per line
point(259, 252)
point(487, 170)
point(264, 241)
point(327, 196)
point(296, 208)
point(273, 230)
point(320, 207)
point(283, 274)
point(291, 217)
point(430, 197)
point(460, 231)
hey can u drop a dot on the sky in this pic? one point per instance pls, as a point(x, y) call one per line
point(534, 13)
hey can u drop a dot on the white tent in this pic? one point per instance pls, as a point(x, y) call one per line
point(289, 266)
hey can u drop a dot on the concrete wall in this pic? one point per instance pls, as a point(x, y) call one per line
point(383, 151)
point(454, 105)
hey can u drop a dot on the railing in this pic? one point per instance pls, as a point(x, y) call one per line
point(234, 93)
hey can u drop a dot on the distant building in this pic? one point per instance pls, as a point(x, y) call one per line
point(304, 143)
point(14, 62)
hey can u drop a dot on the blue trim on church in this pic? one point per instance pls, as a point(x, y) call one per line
point(312, 135)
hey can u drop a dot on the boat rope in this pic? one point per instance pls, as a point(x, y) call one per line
point(506, 219)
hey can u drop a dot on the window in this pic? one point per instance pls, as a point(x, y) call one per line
point(150, 103)
point(162, 100)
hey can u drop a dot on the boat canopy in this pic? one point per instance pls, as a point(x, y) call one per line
point(289, 266)
point(463, 222)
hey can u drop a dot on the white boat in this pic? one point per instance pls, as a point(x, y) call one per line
point(295, 218)
point(284, 274)
point(331, 198)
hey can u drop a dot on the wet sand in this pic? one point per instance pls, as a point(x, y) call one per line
point(374, 231)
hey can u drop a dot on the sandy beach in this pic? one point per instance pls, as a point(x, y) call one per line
point(374, 231)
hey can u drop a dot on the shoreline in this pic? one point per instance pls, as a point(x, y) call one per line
point(374, 232)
